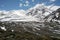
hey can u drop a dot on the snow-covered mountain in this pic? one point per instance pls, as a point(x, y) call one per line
point(39, 20)
point(15, 15)
point(36, 13)
point(43, 12)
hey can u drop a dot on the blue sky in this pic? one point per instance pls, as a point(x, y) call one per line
point(24, 4)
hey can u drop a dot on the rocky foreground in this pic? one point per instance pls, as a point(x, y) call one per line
point(9, 35)
point(29, 31)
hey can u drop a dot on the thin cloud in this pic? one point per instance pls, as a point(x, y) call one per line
point(52, 0)
point(20, 4)
point(33, 0)
point(21, 0)
point(26, 3)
